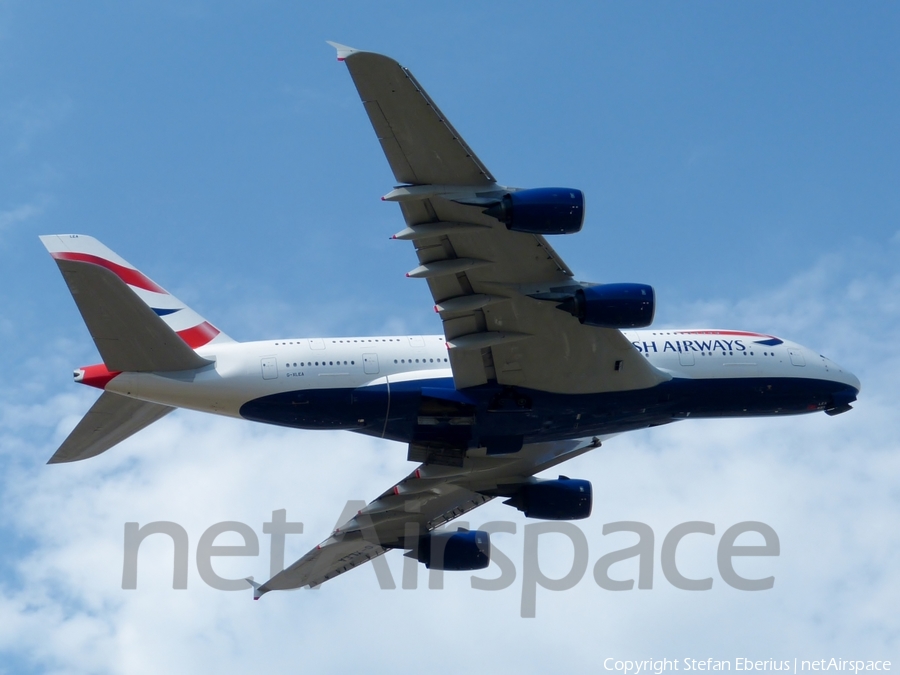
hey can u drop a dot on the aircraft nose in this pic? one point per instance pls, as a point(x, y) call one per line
point(842, 375)
point(843, 397)
point(853, 381)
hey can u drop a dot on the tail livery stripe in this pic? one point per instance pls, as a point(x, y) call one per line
point(93, 257)
point(95, 376)
point(723, 332)
point(199, 335)
point(130, 276)
point(769, 341)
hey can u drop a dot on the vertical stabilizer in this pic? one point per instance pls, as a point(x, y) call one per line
point(136, 325)
point(188, 324)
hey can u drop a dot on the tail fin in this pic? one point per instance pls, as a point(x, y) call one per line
point(136, 325)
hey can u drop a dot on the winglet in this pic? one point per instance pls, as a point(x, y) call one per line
point(257, 594)
point(343, 51)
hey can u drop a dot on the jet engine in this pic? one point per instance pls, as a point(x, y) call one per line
point(455, 551)
point(613, 305)
point(562, 499)
point(541, 211)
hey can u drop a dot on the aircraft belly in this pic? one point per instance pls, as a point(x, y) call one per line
point(179, 390)
point(506, 413)
point(353, 409)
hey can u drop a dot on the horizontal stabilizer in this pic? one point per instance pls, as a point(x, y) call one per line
point(111, 420)
point(129, 335)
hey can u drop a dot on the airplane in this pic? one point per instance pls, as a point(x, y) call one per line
point(533, 367)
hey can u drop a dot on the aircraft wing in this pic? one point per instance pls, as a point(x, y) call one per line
point(427, 498)
point(421, 146)
point(494, 288)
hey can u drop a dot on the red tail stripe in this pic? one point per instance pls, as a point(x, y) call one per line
point(199, 335)
point(127, 274)
point(721, 332)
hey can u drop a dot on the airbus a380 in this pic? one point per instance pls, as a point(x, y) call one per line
point(534, 367)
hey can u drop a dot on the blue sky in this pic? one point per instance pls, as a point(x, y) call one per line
point(742, 158)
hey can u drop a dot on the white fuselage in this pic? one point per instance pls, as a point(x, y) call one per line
point(250, 370)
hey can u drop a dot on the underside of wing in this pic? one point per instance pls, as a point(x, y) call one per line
point(501, 316)
point(498, 289)
point(421, 146)
point(426, 499)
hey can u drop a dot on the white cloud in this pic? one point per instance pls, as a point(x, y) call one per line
point(826, 485)
point(19, 214)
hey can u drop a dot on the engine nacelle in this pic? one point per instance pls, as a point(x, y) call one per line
point(562, 499)
point(455, 551)
point(541, 211)
point(613, 305)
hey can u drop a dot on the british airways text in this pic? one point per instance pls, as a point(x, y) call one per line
point(690, 346)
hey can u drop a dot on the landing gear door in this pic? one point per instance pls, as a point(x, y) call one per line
point(370, 364)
